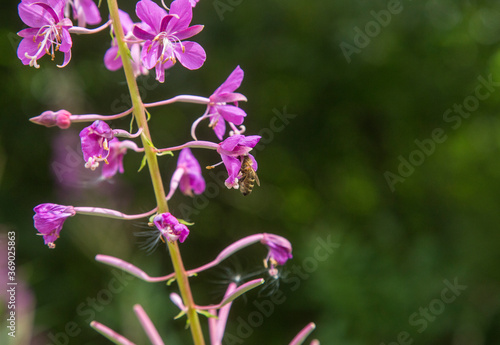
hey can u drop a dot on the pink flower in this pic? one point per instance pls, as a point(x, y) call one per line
point(187, 176)
point(49, 220)
point(60, 118)
point(95, 143)
point(220, 111)
point(48, 31)
point(85, 11)
point(232, 151)
point(170, 228)
point(164, 32)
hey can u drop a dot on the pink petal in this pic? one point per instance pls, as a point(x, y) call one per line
point(67, 58)
point(250, 141)
point(111, 59)
point(193, 56)
point(66, 41)
point(220, 128)
point(127, 23)
point(184, 10)
point(149, 54)
point(228, 97)
point(230, 143)
point(233, 166)
point(232, 82)
point(189, 32)
point(143, 32)
point(28, 46)
point(91, 12)
point(232, 114)
point(150, 13)
point(254, 162)
point(34, 16)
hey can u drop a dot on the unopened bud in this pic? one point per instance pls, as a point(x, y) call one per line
point(61, 119)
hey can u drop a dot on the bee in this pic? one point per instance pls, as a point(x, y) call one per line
point(248, 176)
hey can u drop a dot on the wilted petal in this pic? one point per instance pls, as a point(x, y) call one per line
point(170, 227)
point(280, 249)
point(49, 220)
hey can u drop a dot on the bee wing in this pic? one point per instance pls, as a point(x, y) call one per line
point(257, 179)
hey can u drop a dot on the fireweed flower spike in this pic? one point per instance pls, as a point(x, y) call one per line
point(187, 176)
point(170, 228)
point(49, 220)
point(48, 31)
point(163, 34)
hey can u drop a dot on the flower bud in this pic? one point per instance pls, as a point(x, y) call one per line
point(60, 118)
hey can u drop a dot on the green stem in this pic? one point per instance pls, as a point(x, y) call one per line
point(151, 158)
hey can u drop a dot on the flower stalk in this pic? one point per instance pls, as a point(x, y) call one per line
point(152, 162)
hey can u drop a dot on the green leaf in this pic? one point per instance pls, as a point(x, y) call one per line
point(206, 313)
point(170, 281)
point(143, 163)
point(182, 313)
point(182, 221)
point(148, 115)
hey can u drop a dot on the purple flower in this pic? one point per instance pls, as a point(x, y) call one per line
point(48, 31)
point(232, 151)
point(49, 220)
point(85, 11)
point(170, 227)
point(164, 32)
point(219, 110)
point(193, 2)
point(95, 143)
point(113, 61)
point(280, 249)
point(60, 118)
point(187, 176)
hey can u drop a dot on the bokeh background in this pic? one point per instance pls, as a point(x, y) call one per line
point(353, 117)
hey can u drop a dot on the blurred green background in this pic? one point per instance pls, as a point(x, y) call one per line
point(363, 83)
